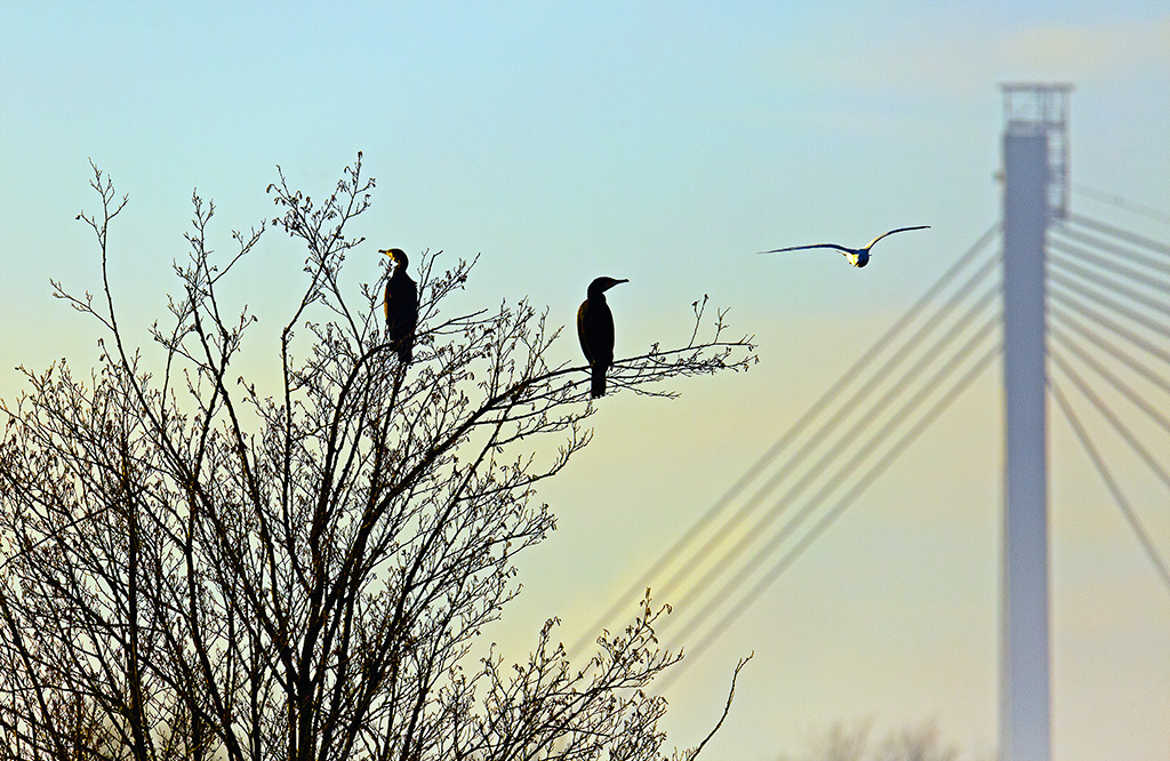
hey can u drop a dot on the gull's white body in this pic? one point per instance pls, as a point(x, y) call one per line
point(858, 257)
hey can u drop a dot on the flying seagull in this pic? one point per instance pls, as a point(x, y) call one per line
point(858, 257)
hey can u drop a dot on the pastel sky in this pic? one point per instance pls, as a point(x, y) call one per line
point(663, 142)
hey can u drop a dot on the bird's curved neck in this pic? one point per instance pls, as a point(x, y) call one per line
point(595, 295)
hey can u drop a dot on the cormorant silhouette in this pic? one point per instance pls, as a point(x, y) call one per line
point(858, 257)
point(401, 306)
point(595, 330)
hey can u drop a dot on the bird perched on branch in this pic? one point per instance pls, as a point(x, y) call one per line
point(858, 257)
point(401, 306)
point(595, 330)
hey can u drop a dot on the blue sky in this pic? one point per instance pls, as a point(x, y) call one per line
point(664, 143)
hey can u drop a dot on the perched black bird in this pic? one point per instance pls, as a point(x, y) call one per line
point(595, 329)
point(401, 306)
point(858, 257)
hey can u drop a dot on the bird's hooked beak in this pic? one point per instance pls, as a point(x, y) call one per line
point(390, 253)
point(614, 282)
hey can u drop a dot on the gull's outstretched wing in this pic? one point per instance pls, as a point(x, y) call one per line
point(814, 245)
point(897, 230)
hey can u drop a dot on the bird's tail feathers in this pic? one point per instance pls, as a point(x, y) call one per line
point(598, 387)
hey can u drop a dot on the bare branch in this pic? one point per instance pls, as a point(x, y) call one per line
point(726, 709)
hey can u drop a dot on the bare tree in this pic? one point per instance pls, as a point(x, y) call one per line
point(840, 743)
point(851, 742)
point(194, 568)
